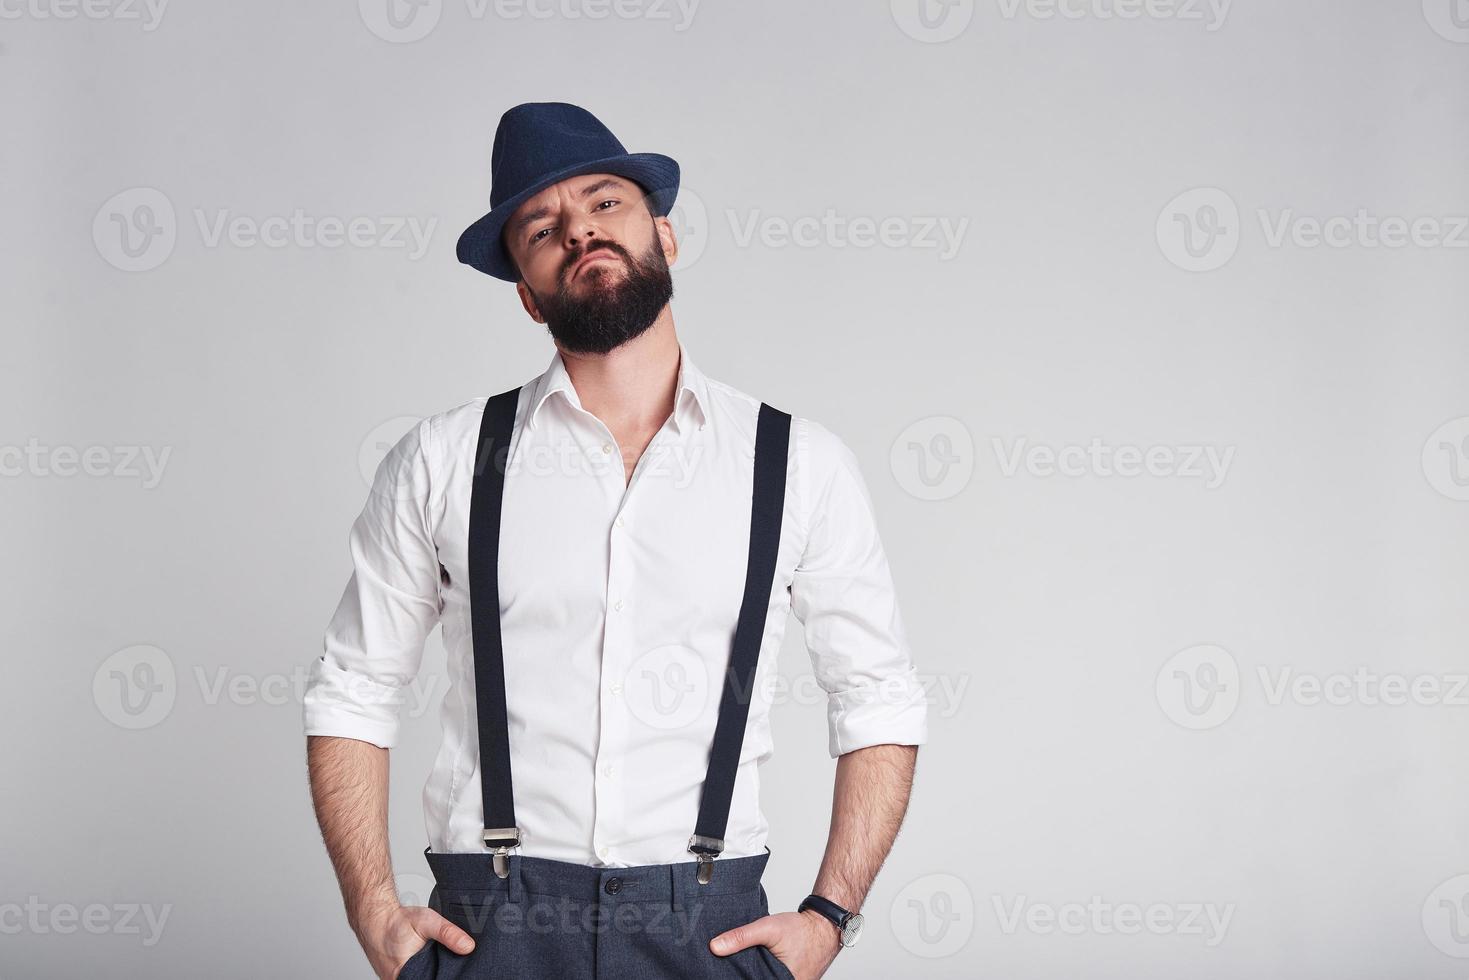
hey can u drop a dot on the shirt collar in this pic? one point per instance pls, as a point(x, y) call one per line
point(690, 399)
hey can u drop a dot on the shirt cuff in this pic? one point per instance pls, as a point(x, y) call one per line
point(344, 704)
point(893, 711)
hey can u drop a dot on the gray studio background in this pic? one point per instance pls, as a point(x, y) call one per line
point(1205, 720)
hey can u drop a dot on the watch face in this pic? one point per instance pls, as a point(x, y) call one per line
point(852, 931)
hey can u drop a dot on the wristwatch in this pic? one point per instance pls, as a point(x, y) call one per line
point(849, 923)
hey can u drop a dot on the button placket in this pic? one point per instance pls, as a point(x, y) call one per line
point(617, 642)
point(619, 650)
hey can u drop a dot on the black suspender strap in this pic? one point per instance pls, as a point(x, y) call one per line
point(772, 439)
point(492, 455)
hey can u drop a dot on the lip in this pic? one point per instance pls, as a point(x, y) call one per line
point(599, 255)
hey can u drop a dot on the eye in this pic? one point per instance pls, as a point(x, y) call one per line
point(539, 235)
point(610, 200)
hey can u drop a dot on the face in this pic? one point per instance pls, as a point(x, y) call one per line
point(593, 261)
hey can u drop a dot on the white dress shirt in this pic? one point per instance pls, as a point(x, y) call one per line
point(618, 604)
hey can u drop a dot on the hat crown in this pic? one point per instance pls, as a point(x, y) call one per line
point(537, 138)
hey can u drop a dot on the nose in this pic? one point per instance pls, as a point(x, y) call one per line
point(580, 228)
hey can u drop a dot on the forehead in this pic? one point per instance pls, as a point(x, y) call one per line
point(576, 188)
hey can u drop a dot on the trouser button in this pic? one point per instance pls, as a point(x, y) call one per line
point(613, 886)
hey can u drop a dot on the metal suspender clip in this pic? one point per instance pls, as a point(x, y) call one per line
point(705, 849)
point(501, 840)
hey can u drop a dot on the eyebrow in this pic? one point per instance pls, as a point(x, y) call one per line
point(519, 224)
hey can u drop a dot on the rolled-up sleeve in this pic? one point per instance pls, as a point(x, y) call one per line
point(842, 593)
point(374, 642)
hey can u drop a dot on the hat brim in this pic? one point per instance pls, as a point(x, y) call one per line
point(480, 246)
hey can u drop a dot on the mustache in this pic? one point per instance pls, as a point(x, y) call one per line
point(612, 247)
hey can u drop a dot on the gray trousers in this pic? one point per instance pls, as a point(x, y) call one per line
point(565, 921)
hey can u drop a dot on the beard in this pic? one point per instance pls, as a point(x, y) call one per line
point(608, 310)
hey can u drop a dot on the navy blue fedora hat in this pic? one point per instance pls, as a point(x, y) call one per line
point(540, 143)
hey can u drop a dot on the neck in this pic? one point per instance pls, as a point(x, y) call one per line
point(633, 386)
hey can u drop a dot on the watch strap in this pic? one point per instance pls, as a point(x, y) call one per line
point(826, 907)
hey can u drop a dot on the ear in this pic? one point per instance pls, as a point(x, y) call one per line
point(529, 301)
point(668, 239)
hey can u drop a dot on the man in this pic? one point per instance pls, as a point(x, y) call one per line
point(611, 629)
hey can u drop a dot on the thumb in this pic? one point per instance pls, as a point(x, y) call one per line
point(446, 933)
point(760, 932)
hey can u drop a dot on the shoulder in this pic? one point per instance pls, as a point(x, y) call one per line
point(812, 443)
point(818, 454)
point(455, 431)
point(824, 449)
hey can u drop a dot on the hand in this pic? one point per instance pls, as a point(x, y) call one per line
point(806, 942)
point(391, 937)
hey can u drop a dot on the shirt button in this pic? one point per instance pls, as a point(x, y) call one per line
point(617, 605)
point(618, 522)
point(613, 886)
point(607, 448)
point(609, 771)
point(617, 688)
point(603, 853)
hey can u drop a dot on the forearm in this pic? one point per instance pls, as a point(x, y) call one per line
point(868, 804)
point(349, 789)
